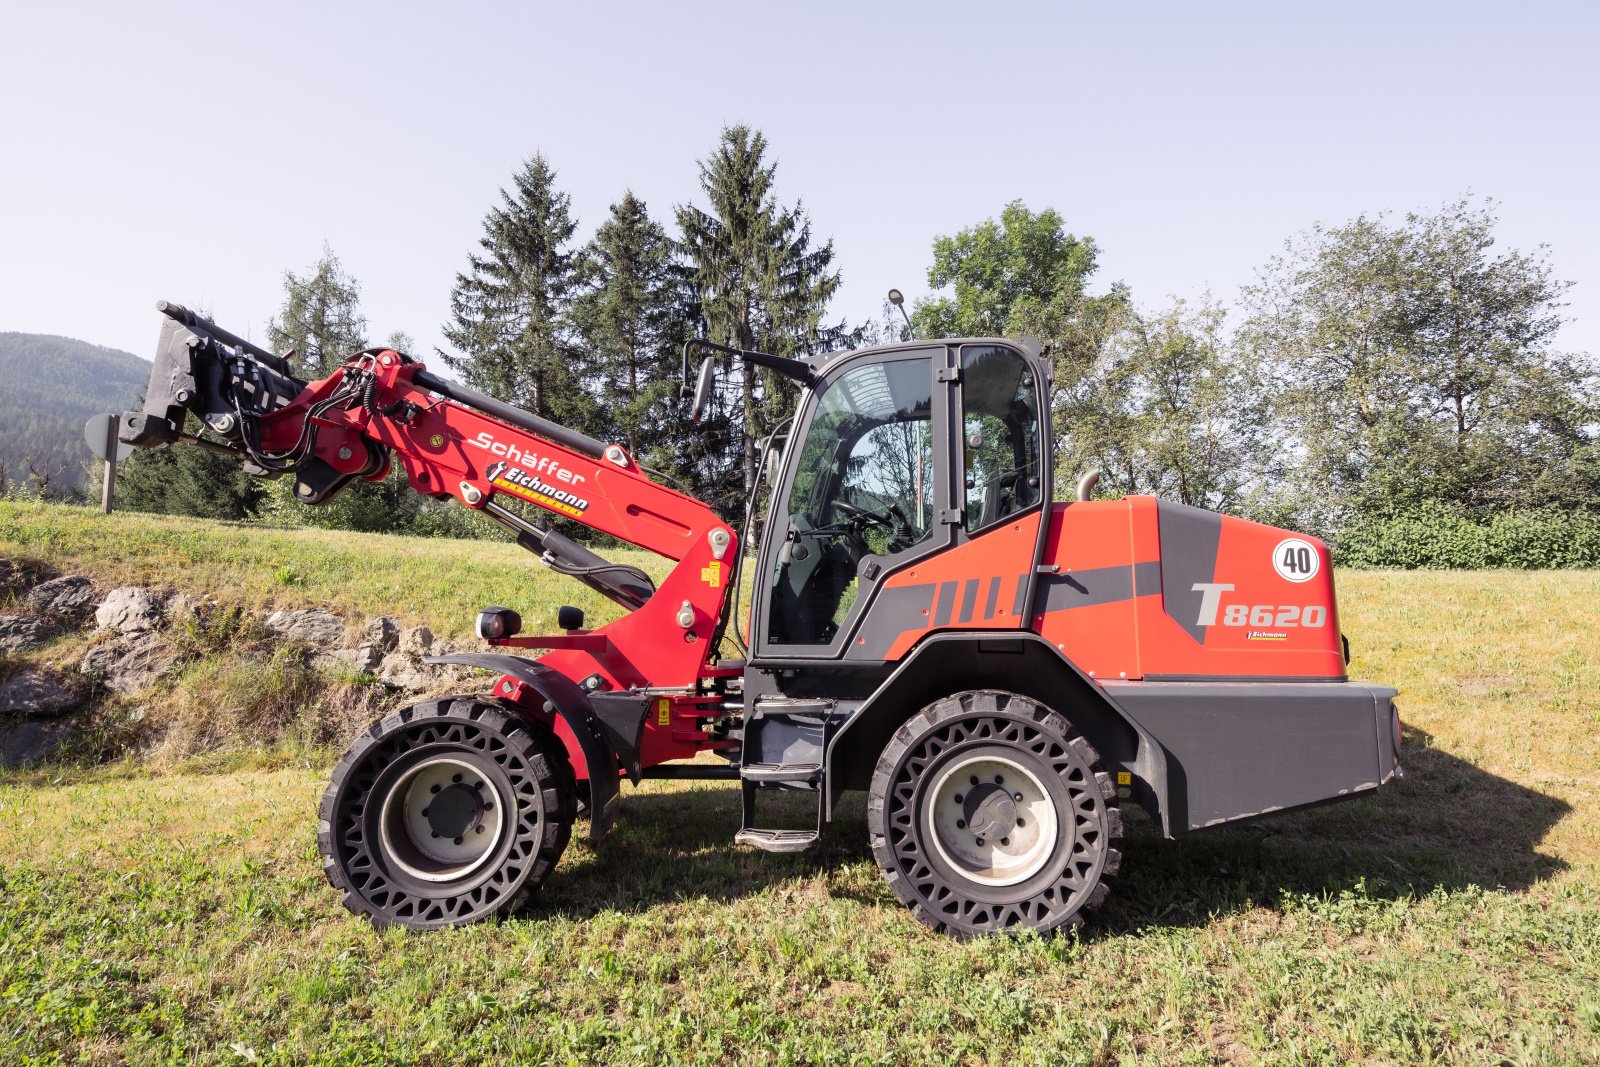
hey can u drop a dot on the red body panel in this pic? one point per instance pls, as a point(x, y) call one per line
point(1258, 628)
point(975, 586)
point(1123, 601)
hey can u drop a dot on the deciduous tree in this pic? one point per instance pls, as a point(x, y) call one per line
point(1167, 409)
point(1412, 361)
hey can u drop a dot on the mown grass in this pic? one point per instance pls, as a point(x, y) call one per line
point(1454, 918)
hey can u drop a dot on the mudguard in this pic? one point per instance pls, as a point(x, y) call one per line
point(564, 698)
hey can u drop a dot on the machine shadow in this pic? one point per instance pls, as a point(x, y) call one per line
point(1447, 825)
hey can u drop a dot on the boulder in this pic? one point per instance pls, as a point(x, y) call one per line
point(18, 632)
point(402, 672)
point(32, 740)
point(129, 610)
point(362, 660)
point(184, 609)
point(381, 632)
point(69, 598)
point(35, 694)
point(130, 662)
point(417, 641)
point(314, 628)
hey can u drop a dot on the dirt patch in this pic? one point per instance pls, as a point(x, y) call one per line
point(1487, 685)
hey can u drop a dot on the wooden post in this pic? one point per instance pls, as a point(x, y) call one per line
point(108, 488)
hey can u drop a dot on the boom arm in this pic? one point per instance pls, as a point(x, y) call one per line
point(451, 441)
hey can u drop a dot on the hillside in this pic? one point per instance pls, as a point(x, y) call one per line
point(161, 910)
point(52, 385)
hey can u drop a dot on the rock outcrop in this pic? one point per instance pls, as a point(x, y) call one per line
point(130, 610)
point(69, 598)
point(313, 628)
point(130, 663)
point(36, 694)
point(21, 632)
point(143, 635)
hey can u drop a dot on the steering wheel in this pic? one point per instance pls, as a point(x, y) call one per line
point(864, 515)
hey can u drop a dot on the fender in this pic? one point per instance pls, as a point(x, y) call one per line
point(1020, 662)
point(564, 698)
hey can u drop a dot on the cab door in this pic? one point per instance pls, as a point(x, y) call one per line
point(867, 492)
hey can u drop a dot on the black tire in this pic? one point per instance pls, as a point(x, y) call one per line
point(461, 766)
point(1051, 829)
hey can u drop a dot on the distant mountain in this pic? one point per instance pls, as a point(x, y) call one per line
point(49, 386)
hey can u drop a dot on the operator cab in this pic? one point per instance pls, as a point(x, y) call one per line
point(876, 480)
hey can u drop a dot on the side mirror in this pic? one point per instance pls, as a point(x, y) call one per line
point(702, 390)
point(775, 458)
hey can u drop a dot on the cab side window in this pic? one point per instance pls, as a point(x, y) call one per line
point(1000, 435)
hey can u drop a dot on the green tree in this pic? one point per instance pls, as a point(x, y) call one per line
point(1411, 362)
point(510, 323)
point(761, 282)
point(1167, 409)
point(184, 480)
point(633, 314)
point(321, 320)
point(1024, 275)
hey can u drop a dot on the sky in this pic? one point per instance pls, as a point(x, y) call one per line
point(195, 152)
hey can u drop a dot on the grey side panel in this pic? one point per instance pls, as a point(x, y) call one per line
point(947, 601)
point(571, 703)
point(969, 600)
point(893, 611)
point(1100, 585)
point(1245, 749)
point(1189, 539)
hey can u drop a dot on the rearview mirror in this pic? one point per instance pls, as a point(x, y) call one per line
point(702, 390)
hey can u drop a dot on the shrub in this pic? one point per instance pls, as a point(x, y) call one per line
point(1442, 537)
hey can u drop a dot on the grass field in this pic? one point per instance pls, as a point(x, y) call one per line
point(182, 915)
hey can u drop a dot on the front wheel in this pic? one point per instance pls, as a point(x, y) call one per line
point(446, 813)
point(989, 813)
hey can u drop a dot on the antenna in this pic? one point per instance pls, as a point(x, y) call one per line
point(899, 301)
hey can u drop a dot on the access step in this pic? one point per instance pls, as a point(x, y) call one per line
point(776, 840)
point(775, 773)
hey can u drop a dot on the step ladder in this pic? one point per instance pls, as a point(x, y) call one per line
point(785, 742)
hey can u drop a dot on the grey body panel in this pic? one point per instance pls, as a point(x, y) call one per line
point(1240, 750)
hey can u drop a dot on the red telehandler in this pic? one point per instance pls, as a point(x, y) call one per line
point(996, 670)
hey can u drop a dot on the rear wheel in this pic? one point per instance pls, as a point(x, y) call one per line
point(445, 813)
point(988, 813)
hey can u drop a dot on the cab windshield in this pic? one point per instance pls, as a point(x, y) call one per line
point(863, 486)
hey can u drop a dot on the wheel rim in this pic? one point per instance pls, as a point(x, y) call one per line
point(443, 819)
point(991, 819)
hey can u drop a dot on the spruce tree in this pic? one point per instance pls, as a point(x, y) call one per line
point(321, 321)
point(184, 480)
point(632, 316)
point(761, 283)
point(510, 311)
point(321, 318)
